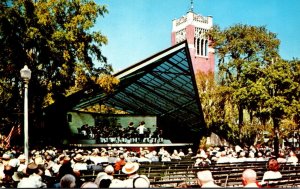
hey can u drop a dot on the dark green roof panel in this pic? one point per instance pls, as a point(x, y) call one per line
point(163, 85)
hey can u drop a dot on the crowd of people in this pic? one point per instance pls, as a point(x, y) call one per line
point(119, 134)
point(63, 168)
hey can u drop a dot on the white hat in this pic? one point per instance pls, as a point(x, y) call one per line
point(39, 160)
point(13, 162)
point(6, 157)
point(78, 157)
point(22, 156)
point(16, 176)
point(130, 167)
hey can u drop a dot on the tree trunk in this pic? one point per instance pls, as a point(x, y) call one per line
point(276, 135)
point(241, 122)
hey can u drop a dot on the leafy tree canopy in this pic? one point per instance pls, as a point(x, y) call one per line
point(264, 89)
point(55, 39)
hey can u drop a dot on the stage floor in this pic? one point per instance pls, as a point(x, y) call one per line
point(132, 145)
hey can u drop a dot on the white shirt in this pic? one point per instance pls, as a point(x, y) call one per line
point(142, 182)
point(271, 175)
point(223, 159)
point(80, 166)
point(210, 185)
point(251, 185)
point(33, 181)
point(143, 159)
point(292, 159)
point(96, 159)
point(141, 129)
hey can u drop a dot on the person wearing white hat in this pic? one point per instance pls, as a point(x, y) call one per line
point(134, 180)
point(22, 163)
point(34, 180)
point(175, 155)
point(5, 161)
point(79, 163)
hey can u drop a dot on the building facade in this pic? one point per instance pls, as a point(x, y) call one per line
point(192, 27)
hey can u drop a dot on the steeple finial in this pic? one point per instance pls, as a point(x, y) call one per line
point(192, 6)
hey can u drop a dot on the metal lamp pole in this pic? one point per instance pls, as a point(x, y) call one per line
point(26, 75)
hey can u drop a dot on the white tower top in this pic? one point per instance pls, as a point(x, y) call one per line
point(205, 22)
point(192, 27)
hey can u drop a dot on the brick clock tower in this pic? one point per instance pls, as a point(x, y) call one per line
point(192, 27)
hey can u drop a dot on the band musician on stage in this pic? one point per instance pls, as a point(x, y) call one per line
point(158, 135)
point(141, 130)
point(131, 132)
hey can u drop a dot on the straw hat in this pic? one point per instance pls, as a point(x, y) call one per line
point(78, 158)
point(39, 160)
point(130, 168)
point(22, 157)
point(16, 176)
point(32, 166)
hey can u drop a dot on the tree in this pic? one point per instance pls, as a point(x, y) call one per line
point(239, 47)
point(217, 107)
point(55, 39)
point(280, 94)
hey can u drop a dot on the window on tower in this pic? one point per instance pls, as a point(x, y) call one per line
point(200, 42)
point(198, 46)
point(202, 45)
point(206, 48)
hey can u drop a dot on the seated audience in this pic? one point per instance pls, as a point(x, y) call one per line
point(292, 158)
point(8, 181)
point(205, 179)
point(181, 153)
point(166, 157)
point(32, 178)
point(223, 158)
point(249, 179)
point(89, 185)
point(281, 158)
point(175, 155)
point(79, 163)
point(260, 157)
point(143, 158)
point(273, 171)
point(68, 181)
point(134, 180)
point(120, 163)
point(251, 157)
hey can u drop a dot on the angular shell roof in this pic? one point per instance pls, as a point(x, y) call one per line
point(163, 85)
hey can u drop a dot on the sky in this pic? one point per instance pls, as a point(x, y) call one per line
point(137, 29)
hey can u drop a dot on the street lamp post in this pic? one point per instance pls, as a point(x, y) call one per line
point(26, 75)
